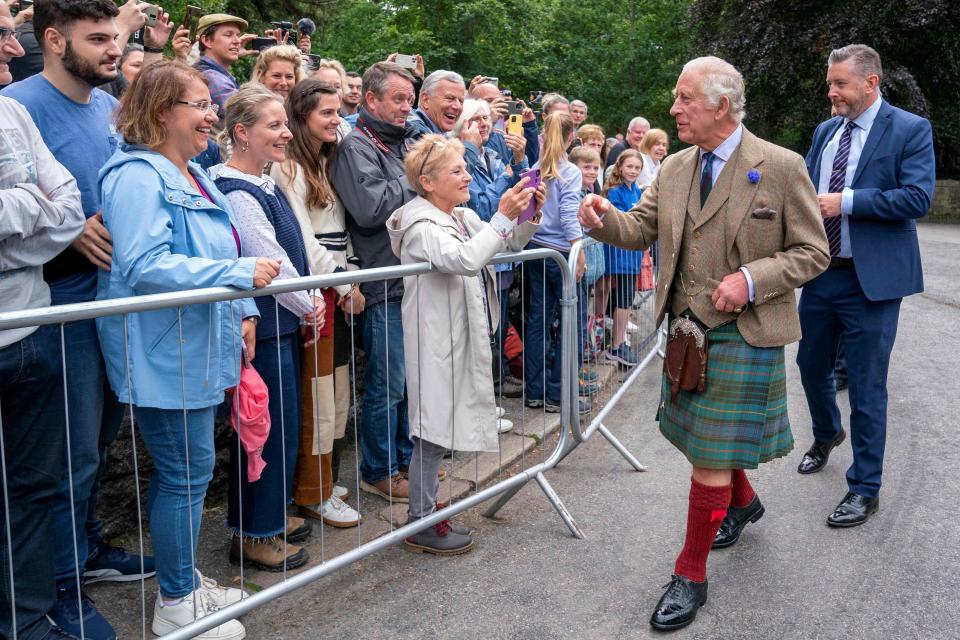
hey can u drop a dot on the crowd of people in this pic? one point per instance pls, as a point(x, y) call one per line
point(127, 173)
point(124, 173)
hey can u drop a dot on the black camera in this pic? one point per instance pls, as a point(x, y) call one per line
point(285, 27)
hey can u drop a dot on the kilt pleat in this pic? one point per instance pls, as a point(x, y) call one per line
point(740, 420)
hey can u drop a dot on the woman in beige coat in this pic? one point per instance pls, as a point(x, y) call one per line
point(448, 318)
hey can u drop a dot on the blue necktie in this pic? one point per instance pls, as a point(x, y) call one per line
point(706, 176)
point(837, 178)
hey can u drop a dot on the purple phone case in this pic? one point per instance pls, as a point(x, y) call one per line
point(531, 209)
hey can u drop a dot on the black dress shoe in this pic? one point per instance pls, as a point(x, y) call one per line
point(817, 455)
point(679, 605)
point(734, 522)
point(853, 510)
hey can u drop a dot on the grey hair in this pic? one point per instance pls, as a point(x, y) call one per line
point(638, 121)
point(579, 103)
point(432, 81)
point(470, 108)
point(550, 101)
point(127, 50)
point(866, 61)
point(377, 76)
point(720, 79)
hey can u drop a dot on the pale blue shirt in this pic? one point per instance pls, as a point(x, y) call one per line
point(858, 137)
point(721, 155)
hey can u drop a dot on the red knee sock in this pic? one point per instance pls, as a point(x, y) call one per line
point(708, 506)
point(743, 493)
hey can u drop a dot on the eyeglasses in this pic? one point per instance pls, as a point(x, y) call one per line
point(203, 105)
point(436, 143)
point(6, 34)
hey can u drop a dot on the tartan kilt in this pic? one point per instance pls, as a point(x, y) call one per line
point(740, 420)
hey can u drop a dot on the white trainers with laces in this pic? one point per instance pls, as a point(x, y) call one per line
point(169, 618)
point(500, 412)
point(219, 595)
point(337, 513)
point(340, 492)
point(504, 425)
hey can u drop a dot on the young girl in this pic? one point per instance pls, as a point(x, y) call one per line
point(621, 265)
point(448, 317)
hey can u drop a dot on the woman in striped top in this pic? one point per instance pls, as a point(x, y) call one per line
point(312, 113)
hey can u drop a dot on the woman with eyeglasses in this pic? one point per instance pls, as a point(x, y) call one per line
point(449, 316)
point(173, 230)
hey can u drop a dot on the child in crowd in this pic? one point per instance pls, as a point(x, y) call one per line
point(621, 265)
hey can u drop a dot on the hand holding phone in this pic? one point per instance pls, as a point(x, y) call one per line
point(406, 61)
point(259, 44)
point(534, 182)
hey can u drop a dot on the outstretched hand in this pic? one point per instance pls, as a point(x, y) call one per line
point(592, 210)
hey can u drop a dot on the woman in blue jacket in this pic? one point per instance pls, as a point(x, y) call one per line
point(172, 230)
point(622, 265)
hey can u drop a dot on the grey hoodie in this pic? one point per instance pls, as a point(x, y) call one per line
point(40, 214)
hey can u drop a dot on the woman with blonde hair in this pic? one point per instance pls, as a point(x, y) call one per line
point(653, 149)
point(256, 123)
point(278, 69)
point(448, 317)
point(312, 111)
point(560, 230)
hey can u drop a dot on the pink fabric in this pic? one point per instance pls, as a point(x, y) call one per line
point(250, 418)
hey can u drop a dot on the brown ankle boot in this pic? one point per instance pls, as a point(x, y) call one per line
point(394, 488)
point(268, 553)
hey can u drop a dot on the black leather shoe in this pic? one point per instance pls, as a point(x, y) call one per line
point(734, 522)
point(853, 510)
point(817, 455)
point(679, 605)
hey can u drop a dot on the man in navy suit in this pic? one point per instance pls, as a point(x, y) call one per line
point(873, 167)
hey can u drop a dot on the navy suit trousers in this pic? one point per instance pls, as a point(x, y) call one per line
point(834, 307)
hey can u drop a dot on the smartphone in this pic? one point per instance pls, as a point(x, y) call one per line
point(531, 210)
point(137, 37)
point(406, 61)
point(190, 19)
point(259, 44)
point(514, 106)
point(314, 60)
point(494, 80)
point(515, 124)
point(153, 12)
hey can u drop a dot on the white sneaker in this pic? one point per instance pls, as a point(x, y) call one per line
point(337, 513)
point(219, 595)
point(504, 425)
point(340, 492)
point(500, 412)
point(169, 618)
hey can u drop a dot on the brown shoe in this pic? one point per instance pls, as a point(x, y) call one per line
point(404, 472)
point(394, 488)
point(297, 529)
point(268, 553)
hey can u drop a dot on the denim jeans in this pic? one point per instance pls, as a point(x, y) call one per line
point(545, 282)
point(31, 414)
point(263, 504)
point(95, 417)
point(181, 445)
point(384, 430)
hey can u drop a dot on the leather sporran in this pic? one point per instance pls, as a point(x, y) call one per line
point(686, 357)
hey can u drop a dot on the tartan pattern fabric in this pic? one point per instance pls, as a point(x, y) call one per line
point(838, 175)
point(740, 420)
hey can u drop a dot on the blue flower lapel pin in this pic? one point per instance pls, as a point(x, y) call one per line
point(753, 176)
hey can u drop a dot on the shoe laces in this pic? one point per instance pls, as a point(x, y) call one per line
point(396, 482)
point(337, 504)
point(443, 528)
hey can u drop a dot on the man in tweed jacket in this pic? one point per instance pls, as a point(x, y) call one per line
point(739, 229)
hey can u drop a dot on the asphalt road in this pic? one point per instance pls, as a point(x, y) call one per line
point(789, 577)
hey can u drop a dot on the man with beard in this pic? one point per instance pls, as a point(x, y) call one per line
point(441, 102)
point(350, 105)
point(873, 165)
point(80, 52)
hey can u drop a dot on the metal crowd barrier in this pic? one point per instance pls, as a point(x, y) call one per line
point(180, 300)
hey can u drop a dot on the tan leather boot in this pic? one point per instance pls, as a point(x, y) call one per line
point(268, 554)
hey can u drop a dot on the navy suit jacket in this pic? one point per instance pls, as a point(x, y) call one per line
point(892, 187)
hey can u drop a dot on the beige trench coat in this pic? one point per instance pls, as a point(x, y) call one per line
point(448, 318)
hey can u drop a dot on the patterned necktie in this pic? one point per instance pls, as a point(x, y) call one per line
point(706, 176)
point(837, 178)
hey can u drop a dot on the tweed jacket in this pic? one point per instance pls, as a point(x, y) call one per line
point(771, 225)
